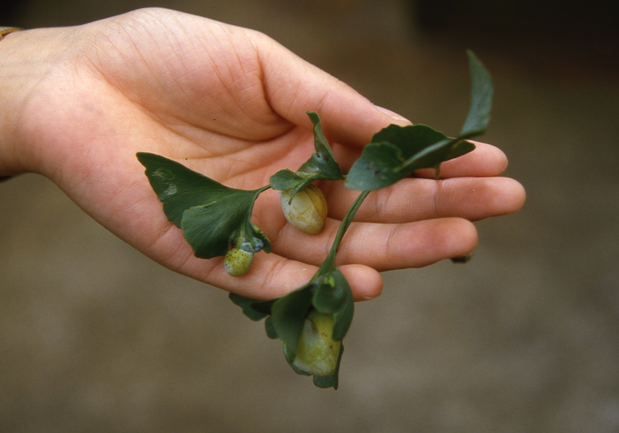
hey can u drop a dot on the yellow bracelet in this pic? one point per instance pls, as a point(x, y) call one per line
point(7, 30)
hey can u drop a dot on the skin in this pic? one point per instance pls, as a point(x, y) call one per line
point(79, 102)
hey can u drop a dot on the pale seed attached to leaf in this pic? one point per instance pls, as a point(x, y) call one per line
point(238, 261)
point(307, 211)
point(317, 352)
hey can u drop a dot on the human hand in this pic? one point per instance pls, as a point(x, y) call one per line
point(230, 103)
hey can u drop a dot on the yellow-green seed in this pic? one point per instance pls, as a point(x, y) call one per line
point(237, 261)
point(317, 352)
point(307, 211)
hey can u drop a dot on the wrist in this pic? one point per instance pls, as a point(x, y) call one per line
point(25, 58)
point(5, 31)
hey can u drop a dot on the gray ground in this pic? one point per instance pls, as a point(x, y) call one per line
point(94, 337)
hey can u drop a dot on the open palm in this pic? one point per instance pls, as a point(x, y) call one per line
point(231, 103)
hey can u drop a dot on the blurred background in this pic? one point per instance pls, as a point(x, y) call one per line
point(524, 338)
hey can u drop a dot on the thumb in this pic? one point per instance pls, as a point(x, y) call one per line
point(294, 86)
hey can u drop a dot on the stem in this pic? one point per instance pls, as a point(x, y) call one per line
point(328, 265)
point(249, 227)
point(257, 192)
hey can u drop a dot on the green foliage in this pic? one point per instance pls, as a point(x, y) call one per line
point(288, 315)
point(482, 91)
point(396, 152)
point(329, 294)
point(246, 306)
point(216, 219)
point(179, 188)
point(321, 165)
point(213, 217)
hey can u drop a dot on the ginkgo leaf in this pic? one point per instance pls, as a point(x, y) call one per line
point(213, 217)
point(397, 151)
point(321, 165)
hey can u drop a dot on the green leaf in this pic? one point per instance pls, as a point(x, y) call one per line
point(327, 382)
point(264, 306)
point(284, 179)
point(211, 228)
point(321, 165)
point(437, 153)
point(333, 296)
point(482, 91)
point(410, 139)
point(288, 316)
point(376, 168)
point(323, 161)
point(397, 151)
point(246, 305)
point(178, 187)
point(330, 295)
point(287, 180)
point(270, 329)
point(420, 146)
point(343, 317)
point(211, 215)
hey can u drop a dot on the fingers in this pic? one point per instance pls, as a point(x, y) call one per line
point(413, 245)
point(418, 199)
point(468, 189)
point(272, 276)
point(367, 249)
point(382, 246)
